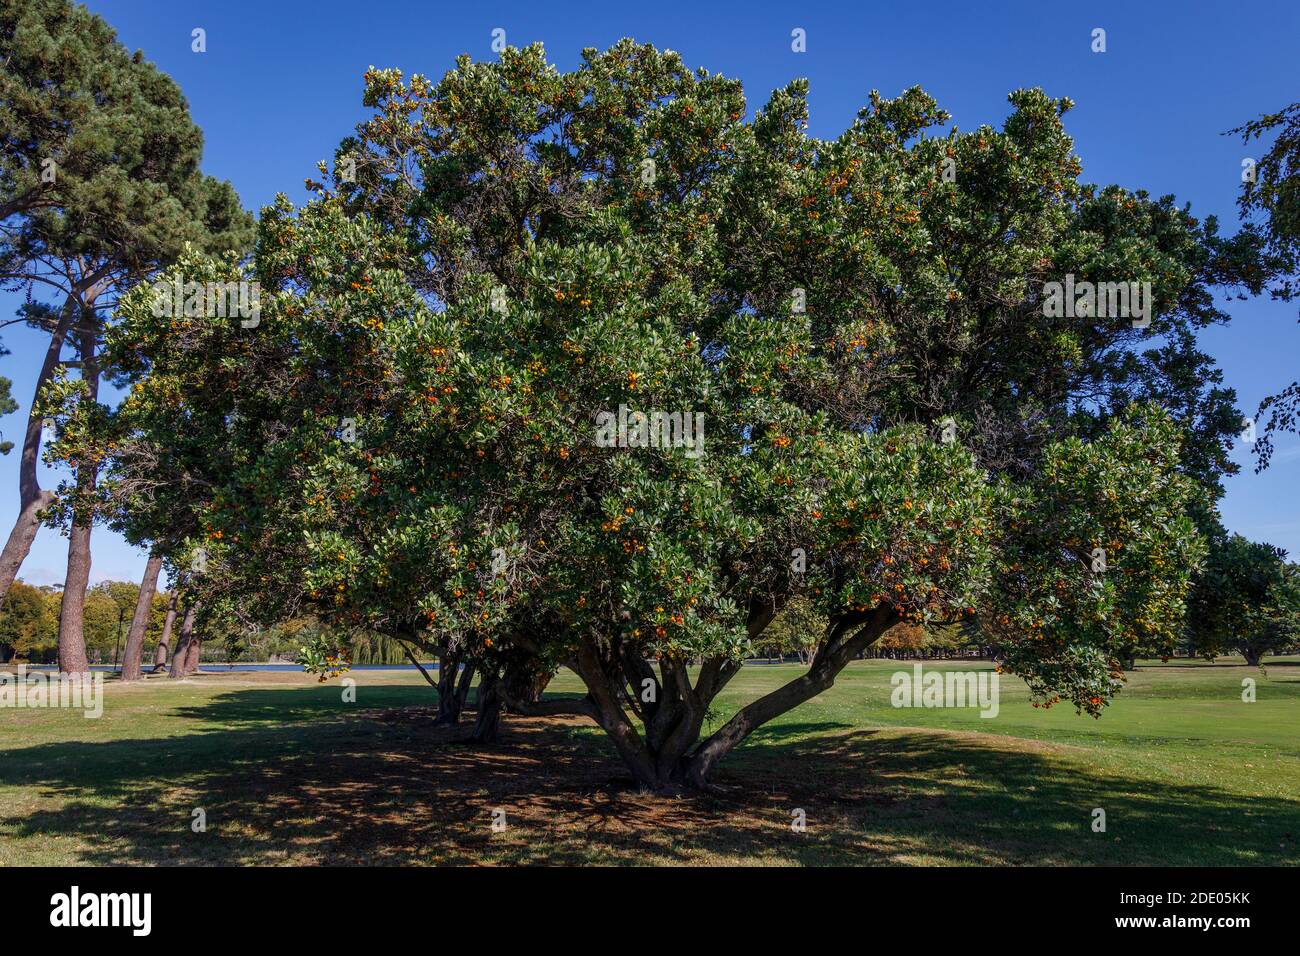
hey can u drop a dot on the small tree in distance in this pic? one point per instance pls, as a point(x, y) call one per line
point(1247, 600)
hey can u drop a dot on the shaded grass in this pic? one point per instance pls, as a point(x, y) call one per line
point(286, 772)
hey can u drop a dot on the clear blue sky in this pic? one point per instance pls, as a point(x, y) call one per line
point(280, 85)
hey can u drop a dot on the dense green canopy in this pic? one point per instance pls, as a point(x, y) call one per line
point(421, 434)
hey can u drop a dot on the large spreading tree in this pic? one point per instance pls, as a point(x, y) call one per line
point(885, 419)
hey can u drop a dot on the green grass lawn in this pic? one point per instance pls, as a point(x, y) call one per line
point(287, 773)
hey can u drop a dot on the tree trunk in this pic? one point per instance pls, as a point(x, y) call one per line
point(463, 685)
point(31, 497)
point(453, 688)
point(134, 649)
point(670, 756)
point(180, 656)
point(72, 638)
point(524, 678)
point(1252, 656)
point(448, 706)
point(160, 655)
point(193, 655)
point(829, 661)
point(487, 704)
point(671, 711)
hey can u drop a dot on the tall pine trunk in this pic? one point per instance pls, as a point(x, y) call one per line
point(160, 655)
point(72, 638)
point(180, 656)
point(134, 649)
point(31, 498)
point(193, 654)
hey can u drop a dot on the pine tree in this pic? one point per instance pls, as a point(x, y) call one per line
point(99, 188)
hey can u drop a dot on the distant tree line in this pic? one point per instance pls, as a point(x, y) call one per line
point(29, 621)
point(29, 631)
point(1247, 603)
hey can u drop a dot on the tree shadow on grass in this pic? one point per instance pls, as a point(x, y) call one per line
point(338, 786)
point(275, 706)
point(988, 798)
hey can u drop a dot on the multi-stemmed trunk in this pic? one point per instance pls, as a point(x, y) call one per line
point(72, 638)
point(668, 753)
point(160, 654)
point(134, 650)
point(514, 682)
point(31, 497)
point(524, 678)
point(453, 687)
point(453, 680)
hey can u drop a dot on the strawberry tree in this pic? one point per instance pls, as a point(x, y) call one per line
point(593, 369)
